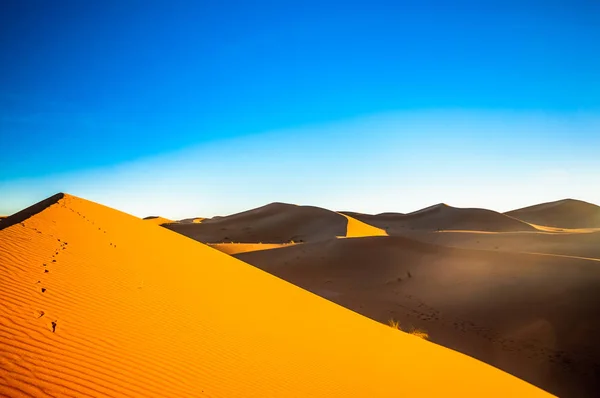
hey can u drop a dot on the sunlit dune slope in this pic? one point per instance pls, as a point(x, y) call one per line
point(158, 220)
point(444, 217)
point(534, 316)
point(567, 213)
point(275, 223)
point(96, 302)
point(356, 228)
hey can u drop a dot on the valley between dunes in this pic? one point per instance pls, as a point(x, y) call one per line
point(95, 302)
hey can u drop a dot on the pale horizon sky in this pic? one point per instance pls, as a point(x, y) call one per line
point(394, 162)
point(187, 108)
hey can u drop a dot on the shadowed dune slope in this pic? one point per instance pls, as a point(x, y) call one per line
point(567, 213)
point(576, 244)
point(127, 309)
point(236, 248)
point(275, 223)
point(444, 217)
point(533, 316)
point(380, 220)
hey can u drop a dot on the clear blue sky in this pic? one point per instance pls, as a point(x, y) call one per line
point(372, 105)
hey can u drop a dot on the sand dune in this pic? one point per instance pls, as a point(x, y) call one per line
point(584, 243)
point(193, 220)
point(356, 229)
point(531, 315)
point(158, 220)
point(276, 223)
point(444, 217)
point(374, 219)
point(567, 213)
point(236, 248)
point(96, 302)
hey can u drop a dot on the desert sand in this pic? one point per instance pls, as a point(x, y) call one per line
point(193, 220)
point(276, 223)
point(96, 302)
point(583, 243)
point(534, 316)
point(443, 217)
point(157, 220)
point(567, 213)
point(236, 248)
point(515, 294)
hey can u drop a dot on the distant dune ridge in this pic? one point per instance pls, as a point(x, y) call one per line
point(96, 302)
point(157, 220)
point(191, 220)
point(566, 213)
point(444, 217)
point(274, 223)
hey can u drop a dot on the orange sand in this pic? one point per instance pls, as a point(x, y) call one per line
point(356, 228)
point(142, 311)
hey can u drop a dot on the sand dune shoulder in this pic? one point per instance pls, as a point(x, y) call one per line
point(567, 213)
point(443, 217)
point(276, 223)
point(157, 220)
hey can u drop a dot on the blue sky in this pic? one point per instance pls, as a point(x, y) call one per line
point(202, 108)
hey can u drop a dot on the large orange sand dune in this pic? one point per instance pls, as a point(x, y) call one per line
point(95, 302)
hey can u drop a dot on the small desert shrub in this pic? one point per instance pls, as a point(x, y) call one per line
point(415, 332)
point(420, 333)
point(394, 324)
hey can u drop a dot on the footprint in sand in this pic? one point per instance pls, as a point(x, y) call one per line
point(54, 326)
point(43, 290)
point(39, 314)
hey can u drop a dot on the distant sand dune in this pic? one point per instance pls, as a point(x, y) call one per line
point(535, 316)
point(276, 223)
point(193, 220)
point(444, 217)
point(158, 220)
point(567, 213)
point(128, 309)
